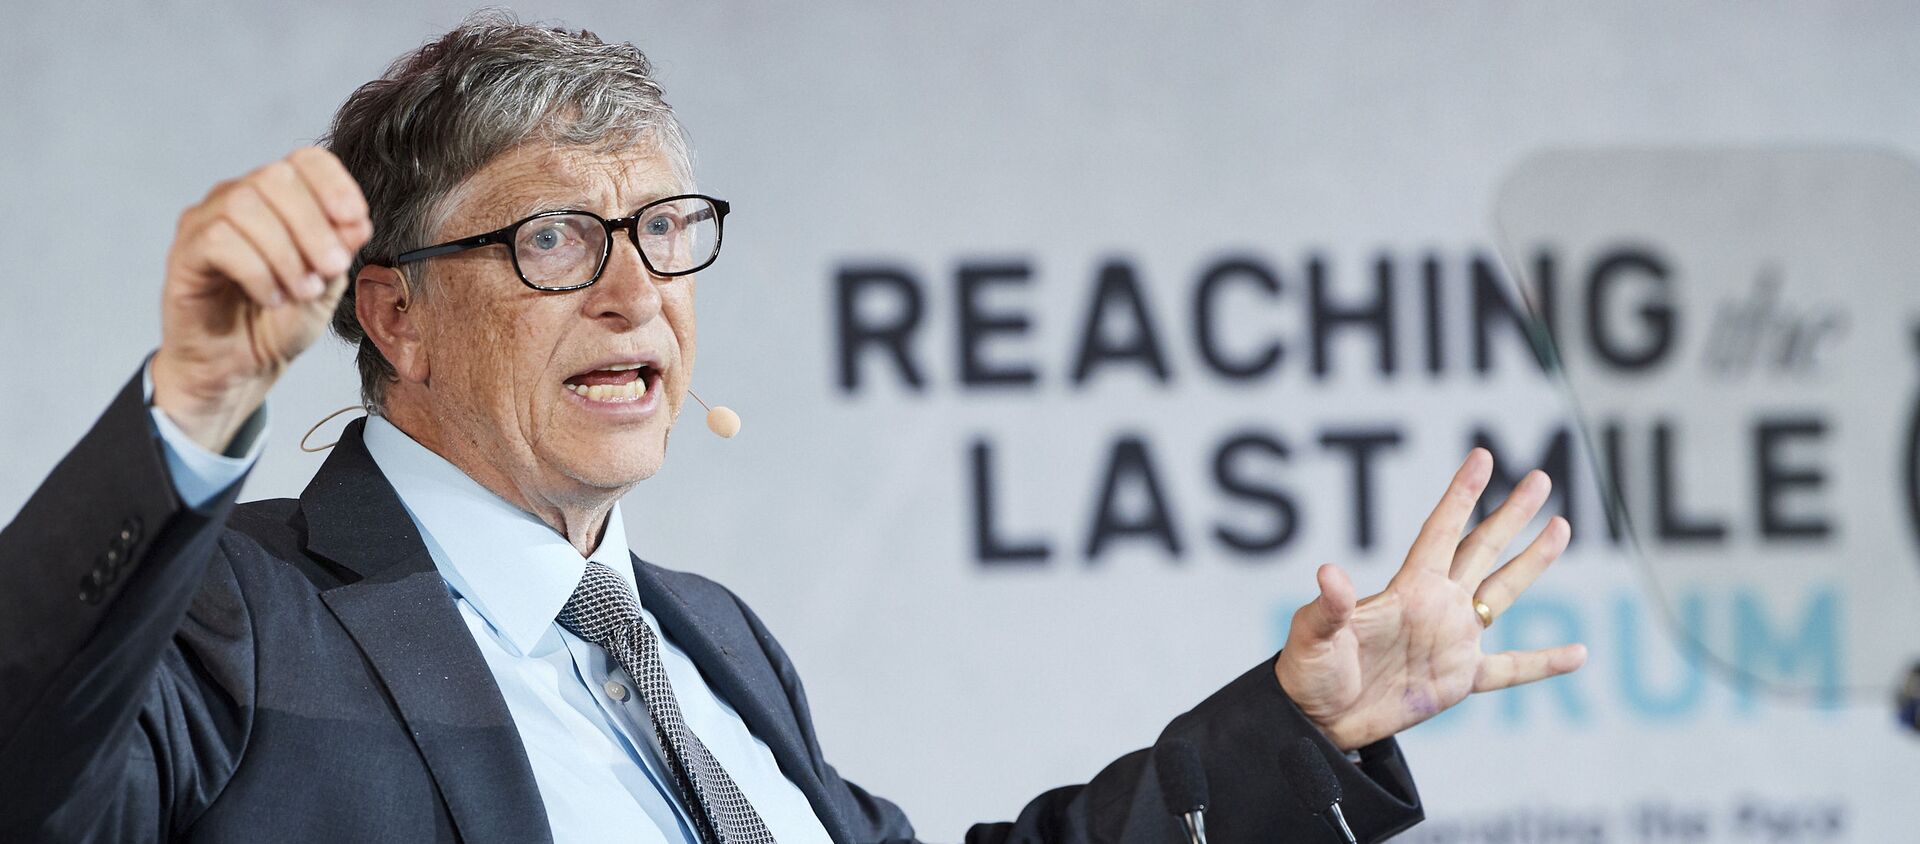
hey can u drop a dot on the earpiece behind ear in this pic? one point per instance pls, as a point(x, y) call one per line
point(406, 291)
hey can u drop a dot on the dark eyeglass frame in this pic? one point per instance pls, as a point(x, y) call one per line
point(503, 236)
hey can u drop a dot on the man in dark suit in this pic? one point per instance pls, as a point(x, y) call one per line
point(444, 637)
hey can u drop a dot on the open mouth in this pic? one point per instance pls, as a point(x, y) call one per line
point(619, 383)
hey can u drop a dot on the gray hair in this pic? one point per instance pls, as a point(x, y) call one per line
point(411, 137)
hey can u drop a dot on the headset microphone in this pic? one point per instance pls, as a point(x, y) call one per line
point(720, 420)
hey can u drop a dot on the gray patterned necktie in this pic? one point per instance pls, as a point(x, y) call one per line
point(603, 611)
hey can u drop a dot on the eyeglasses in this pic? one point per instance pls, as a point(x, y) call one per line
point(567, 250)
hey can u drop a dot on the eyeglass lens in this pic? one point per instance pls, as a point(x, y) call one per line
point(566, 250)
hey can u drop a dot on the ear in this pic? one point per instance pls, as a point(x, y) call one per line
point(386, 305)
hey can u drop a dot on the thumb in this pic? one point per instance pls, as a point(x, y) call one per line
point(289, 331)
point(330, 297)
point(318, 311)
point(1328, 614)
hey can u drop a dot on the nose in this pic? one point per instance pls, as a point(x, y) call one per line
point(626, 292)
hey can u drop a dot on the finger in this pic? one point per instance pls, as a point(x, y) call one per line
point(1503, 587)
point(324, 304)
point(198, 216)
point(1328, 614)
point(1476, 554)
point(1514, 668)
point(1438, 535)
point(339, 194)
point(305, 222)
point(225, 252)
point(248, 212)
point(329, 180)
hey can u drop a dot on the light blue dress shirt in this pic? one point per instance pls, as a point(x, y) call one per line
point(584, 728)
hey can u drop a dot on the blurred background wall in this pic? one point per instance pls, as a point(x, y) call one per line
point(998, 569)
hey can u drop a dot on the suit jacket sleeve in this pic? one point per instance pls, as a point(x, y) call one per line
point(1241, 732)
point(125, 658)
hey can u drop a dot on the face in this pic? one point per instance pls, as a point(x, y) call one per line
point(553, 398)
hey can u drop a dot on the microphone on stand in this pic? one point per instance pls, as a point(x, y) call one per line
point(1313, 783)
point(1183, 784)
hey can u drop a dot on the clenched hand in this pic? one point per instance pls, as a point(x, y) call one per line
point(252, 279)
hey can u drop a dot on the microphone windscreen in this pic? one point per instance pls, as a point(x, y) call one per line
point(1309, 777)
point(1183, 781)
point(723, 421)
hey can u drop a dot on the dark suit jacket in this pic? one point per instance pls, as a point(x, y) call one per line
point(295, 670)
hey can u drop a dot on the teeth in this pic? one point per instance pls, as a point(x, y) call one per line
point(624, 367)
point(611, 392)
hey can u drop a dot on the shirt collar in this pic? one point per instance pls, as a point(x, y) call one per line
point(513, 568)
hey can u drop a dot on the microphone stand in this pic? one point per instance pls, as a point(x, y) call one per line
point(1196, 826)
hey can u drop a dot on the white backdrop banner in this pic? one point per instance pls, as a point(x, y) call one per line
point(1069, 339)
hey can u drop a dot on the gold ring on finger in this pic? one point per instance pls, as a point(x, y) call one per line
point(1485, 612)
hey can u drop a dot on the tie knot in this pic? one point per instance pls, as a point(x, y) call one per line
point(600, 606)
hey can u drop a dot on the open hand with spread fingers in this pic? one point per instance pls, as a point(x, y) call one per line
point(1365, 670)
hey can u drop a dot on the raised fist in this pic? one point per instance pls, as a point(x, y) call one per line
point(252, 279)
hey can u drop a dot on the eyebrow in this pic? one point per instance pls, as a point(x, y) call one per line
point(543, 202)
point(538, 204)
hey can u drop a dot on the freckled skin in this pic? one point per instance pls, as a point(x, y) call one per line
point(488, 394)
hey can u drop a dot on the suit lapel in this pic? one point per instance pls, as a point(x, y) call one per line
point(735, 666)
point(402, 616)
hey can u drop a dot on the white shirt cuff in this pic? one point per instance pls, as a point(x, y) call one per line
point(200, 475)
